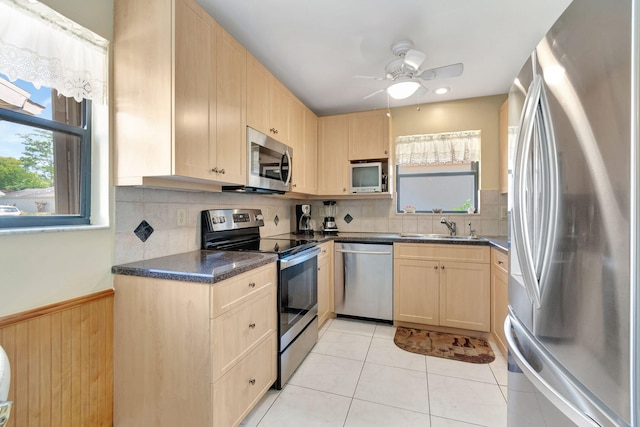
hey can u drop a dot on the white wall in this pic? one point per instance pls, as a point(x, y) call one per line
point(37, 269)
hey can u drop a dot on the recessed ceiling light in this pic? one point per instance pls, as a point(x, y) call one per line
point(441, 90)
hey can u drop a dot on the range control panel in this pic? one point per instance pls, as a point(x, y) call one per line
point(230, 219)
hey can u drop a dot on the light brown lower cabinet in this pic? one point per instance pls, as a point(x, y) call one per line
point(499, 296)
point(325, 283)
point(442, 285)
point(193, 354)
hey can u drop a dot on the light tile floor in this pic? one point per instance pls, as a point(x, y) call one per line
point(355, 376)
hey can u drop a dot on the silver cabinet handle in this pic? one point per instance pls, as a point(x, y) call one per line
point(346, 251)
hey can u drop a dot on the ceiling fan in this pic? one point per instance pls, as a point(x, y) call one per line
point(405, 71)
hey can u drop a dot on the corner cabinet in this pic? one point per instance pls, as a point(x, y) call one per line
point(325, 283)
point(193, 354)
point(499, 296)
point(442, 285)
point(167, 99)
point(347, 138)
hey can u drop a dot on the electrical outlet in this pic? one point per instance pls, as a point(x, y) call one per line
point(503, 212)
point(181, 217)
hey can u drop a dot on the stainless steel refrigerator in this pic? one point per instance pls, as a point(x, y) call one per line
point(573, 301)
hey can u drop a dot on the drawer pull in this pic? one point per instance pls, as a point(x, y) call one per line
point(252, 381)
point(500, 262)
point(252, 284)
point(252, 325)
point(435, 267)
point(442, 267)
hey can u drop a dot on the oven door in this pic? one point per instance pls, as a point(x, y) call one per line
point(298, 294)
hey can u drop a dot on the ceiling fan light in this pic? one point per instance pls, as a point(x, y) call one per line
point(402, 90)
point(441, 90)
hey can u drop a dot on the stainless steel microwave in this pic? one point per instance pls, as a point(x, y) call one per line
point(268, 165)
point(366, 177)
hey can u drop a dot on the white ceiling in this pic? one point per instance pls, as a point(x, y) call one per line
point(316, 47)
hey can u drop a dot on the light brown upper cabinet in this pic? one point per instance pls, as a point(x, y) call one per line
point(166, 99)
point(304, 141)
point(231, 120)
point(369, 137)
point(267, 102)
point(504, 147)
point(333, 155)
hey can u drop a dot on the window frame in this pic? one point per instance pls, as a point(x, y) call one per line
point(84, 133)
point(474, 171)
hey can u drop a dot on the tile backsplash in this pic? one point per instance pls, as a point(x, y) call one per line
point(159, 208)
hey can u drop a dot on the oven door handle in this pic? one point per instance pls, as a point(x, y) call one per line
point(298, 259)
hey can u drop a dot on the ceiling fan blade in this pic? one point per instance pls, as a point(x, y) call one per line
point(369, 77)
point(421, 91)
point(414, 58)
point(453, 70)
point(373, 94)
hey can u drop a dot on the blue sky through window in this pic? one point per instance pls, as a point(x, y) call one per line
point(10, 142)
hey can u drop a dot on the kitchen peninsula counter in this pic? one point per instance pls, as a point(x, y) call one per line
point(197, 266)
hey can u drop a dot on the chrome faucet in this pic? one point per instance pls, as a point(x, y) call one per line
point(450, 225)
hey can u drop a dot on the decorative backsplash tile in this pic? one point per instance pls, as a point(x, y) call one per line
point(143, 230)
point(348, 218)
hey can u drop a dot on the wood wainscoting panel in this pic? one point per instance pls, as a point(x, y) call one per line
point(61, 363)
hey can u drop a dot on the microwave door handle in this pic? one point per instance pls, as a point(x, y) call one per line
point(289, 168)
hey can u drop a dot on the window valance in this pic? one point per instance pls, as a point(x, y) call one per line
point(438, 148)
point(41, 46)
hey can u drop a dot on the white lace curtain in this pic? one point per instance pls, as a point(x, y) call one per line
point(438, 148)
point(41, 46)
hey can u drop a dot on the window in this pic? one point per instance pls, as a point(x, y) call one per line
point(450, 188)
point(51, 70)
point(438, 172)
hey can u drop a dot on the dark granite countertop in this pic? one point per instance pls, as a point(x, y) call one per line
point(496, 241)
point(197, 266)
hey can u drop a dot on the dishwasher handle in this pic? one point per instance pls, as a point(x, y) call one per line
point(347, 251)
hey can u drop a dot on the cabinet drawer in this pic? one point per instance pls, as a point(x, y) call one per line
point(237, 392)
point(233, 292)
point(235, 333)
point(500, 259)
point(442, 252)
point(325, 250)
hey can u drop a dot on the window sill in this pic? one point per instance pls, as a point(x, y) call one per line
point(54, 229)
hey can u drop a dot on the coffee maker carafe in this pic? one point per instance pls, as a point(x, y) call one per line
point(330, 212)
point(303, 219)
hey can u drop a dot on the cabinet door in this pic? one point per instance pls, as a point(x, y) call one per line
point(369, 135)
point(504, 147)
point(278, 111)
point(416, 291)
point(231, 90)
point(499, 296)
point(193, 84)
point(257, 95)
point(325, 283)
point(296, 142)
point(465, 295)
point(310, 143)
point(333, 162)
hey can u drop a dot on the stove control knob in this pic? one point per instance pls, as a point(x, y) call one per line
point(223, 219)
point(214, 219)
point(259, 217)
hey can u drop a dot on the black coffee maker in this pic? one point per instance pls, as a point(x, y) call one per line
point(303, 219)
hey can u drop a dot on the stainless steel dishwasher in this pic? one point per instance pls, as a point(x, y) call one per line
point(364, 280)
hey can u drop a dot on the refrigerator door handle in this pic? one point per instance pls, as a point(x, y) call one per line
point(557, 399)
point(521, 239)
